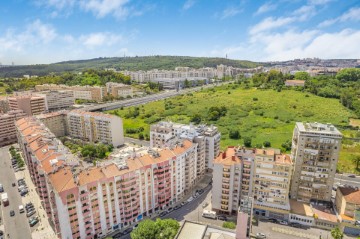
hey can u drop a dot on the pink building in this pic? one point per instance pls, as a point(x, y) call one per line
point(91, 202)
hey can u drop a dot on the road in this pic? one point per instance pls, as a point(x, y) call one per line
point(146, 99)
point(137, 141)
point(344, 179)
point(17, 226)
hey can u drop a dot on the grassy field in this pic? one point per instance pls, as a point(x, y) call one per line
point(263, 115)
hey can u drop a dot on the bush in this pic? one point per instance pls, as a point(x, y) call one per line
point(141, 136)
point(234, 134)
point(267, 144)
point(247, 142)
point(287, 145)
point(229, 225)
point(196, 119)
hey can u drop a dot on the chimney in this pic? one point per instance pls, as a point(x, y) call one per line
point(224, 155)
point(233, 158)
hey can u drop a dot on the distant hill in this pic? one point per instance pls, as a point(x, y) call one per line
point(123, 63)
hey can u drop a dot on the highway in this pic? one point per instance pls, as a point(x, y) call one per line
point(145, 99)
point(344, 179)
point(16, 226)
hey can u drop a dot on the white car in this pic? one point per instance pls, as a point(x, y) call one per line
point(260, 235)
point(190, 199)
point(283, 222)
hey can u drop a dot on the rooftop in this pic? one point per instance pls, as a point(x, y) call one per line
point(194, 230)
point(318, 128)
point(300, 208)
point(229, 157)
point(351, 195)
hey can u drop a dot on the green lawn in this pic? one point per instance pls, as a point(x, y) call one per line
point(263, 115)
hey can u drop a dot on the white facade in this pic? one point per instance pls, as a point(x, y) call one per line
point(82, 94)
point(58, 99)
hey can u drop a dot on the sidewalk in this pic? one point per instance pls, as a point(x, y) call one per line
point(43, 229)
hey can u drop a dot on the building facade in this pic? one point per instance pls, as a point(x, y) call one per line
point(347, 203)
point(7, 126)
point(56, 100)
point(90, 202)
point(207, 137)
point(315, 153)
point(119, 90)
point(56, 122)
point(30, 104)
point(95, 127)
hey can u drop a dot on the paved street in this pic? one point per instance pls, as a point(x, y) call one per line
point(137, 141)
point(344, 179)
point(17, 226)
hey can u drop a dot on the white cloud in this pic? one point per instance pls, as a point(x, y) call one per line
point(352, 14)
point(267, 7)
point(102, 8)
point(271, 23)
point(318, 2)
point(58, 4)
point(34, 33)
point(305, 12)
point(230, 12)
point(188, 4)
point(100, 39)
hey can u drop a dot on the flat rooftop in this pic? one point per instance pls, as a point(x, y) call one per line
point(318, 128)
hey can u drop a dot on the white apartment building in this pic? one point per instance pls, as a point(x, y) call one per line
point(271, 182)
point(163, 132)
point(56, 100)
point(315, 153)
point(119, 89)
point(96, 127)
point(83, 95)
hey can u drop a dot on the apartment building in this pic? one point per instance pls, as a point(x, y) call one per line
point(30, 104)
point(60, 99)
point(4, 105)
point(7, 126)
point(315, 153)
point(347, 203)
point(226, 182)
point(89, 202)
point(80, 92)
point(163, 132)
point(118, 89)
point(95, 127)
point(271, 183)
point(56, 122)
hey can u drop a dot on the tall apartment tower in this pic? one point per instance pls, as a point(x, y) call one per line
point(315, 153)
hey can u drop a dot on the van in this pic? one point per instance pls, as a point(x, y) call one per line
point(21, 209)
point(209, 214)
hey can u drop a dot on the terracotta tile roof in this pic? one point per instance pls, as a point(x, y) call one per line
point(62, 180)
point(326, 216)
point(351, 195)
point(347, 218)
point(300, 208)
point(90, 175)
point(283, 159)
point(228, 157)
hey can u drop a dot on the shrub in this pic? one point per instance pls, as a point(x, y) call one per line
point(247, 142)
point(234, 134)
point(229, 225)
point(255, 99)
point(141, 136)
point(267, 144)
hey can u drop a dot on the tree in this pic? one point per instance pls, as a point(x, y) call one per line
point(336, 233)
point(230, 225)
point(286, 145)
point(266, 144)
point(348, 74)
point(302, 75)
point(247, 142)
point(234, 134)
point(159, 229)
point(186, 83)
point(356, 160)
point(196, 119)
point(141, 136)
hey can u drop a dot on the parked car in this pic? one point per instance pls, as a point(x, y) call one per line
point(205, 204)
point(29, 209)
point(283, 222)
point(21, 209)
point(24, 192)
point(30, 213)
point(184, 203)
point(170, 209)
point(352, 176)
point(222, 217)
point(163, 213)
point(201, 191)
point(177, 207)
point(273, 220)
point(127, 231)
point(33, 221)
point(118, 235)
point(28, 205)
point(190, 199)
point(260, 235)
point(296, 225)
point(1, 188)
point(12, 213)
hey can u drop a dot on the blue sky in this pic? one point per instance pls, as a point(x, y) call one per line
point(46, 31)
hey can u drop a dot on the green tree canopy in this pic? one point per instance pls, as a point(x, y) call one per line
point(302, 75)
point(159, 229)
point(336, 233)
point(348, 74)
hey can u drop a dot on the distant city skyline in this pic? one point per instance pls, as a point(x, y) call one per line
point(48, 31)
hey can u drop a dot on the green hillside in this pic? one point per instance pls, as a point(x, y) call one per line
point(123, 63)
point(262, 115)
